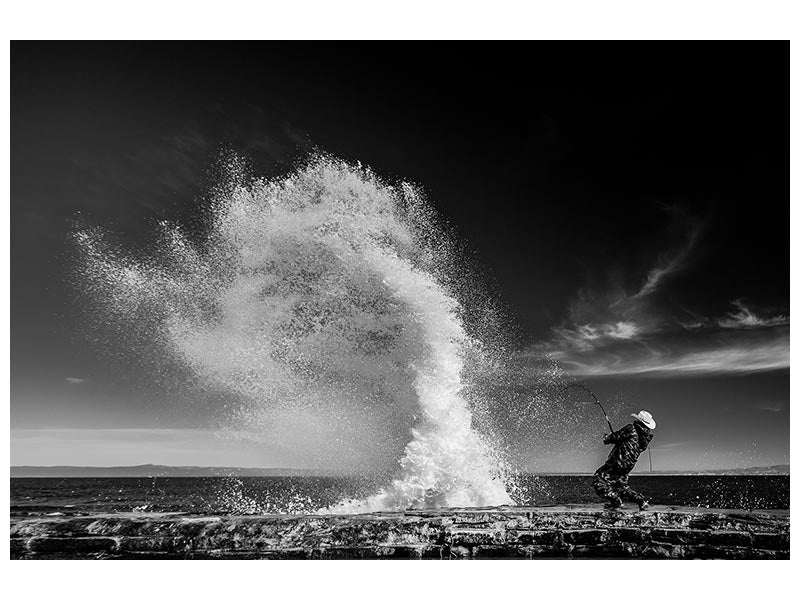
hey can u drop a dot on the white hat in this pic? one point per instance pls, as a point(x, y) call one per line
point(646, 418)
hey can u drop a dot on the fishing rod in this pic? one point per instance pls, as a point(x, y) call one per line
point(596, 401)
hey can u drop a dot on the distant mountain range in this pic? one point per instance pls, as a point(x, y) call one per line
point(773, 470)
point(156, 471)
point(165, 471)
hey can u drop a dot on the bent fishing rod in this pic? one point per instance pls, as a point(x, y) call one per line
point(596, 401)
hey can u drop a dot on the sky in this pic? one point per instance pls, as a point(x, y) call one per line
point(627, 203)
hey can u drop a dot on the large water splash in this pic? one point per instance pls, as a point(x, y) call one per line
point(319, 297)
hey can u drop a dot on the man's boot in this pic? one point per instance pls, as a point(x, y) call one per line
point(614, 502)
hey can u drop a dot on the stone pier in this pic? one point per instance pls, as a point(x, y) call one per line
point(501, 532)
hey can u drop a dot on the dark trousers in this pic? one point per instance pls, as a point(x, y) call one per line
point(610, 486)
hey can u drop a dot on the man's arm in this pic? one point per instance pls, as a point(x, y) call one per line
point(619, 435)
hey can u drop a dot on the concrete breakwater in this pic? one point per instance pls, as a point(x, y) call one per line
point(498, 532)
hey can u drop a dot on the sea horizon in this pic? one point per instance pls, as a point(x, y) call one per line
point(157, 470)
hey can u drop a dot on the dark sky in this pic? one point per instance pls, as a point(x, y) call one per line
point(630, 202)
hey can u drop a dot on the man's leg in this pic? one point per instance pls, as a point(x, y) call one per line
point(602, 484)
point(626, 492)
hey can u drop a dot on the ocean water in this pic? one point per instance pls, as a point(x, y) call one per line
point(308, 495)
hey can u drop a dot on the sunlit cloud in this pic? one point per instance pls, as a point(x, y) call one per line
point(587, 336)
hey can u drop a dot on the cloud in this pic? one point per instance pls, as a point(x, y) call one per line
point(587, 336)
point(76, 380)
point(670, 262)
point(613, 332)
point(774, 407)
point(601, 317)
point(658, 356)
point(621, 330)
point(744, 318)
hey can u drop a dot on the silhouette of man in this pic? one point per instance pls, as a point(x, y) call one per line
point(611, 480)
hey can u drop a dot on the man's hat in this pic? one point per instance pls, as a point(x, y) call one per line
point(646, 418)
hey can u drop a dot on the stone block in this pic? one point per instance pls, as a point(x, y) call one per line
point(729, 538)
point(494, 551)
point(771, 541)
point(473, 518)
point(548, 538)
point(475, 537)
point(760, 553)
point(614, 550)
point(154, 544)
point(752, 522)
point(19, 547)
point(704, 521)
point(284, 554)
point(626, 534)
point(72, 545)
point(352, 552)
point(524, 522)
point(459, 552)
point(679, 536)
point(723, 552)
point(661, 550)
point(414, 551)
point(585, 537)
point(435, 552)
point(540, 551)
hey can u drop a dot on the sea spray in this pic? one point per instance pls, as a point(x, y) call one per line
point(319, 299)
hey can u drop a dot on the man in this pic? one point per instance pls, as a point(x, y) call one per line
point(611, 480)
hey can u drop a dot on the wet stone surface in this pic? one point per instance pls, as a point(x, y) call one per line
point(574, 531)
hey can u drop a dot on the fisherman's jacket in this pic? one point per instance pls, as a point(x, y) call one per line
point(629, 442)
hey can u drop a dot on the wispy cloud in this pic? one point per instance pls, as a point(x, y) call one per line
point(76, 380)
point(654, 357)
point(645, 333)
point(744, 318)
point(586, 336)
point(670, 262)
point(693, 325)
point(601, 317)
point(774, 407)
